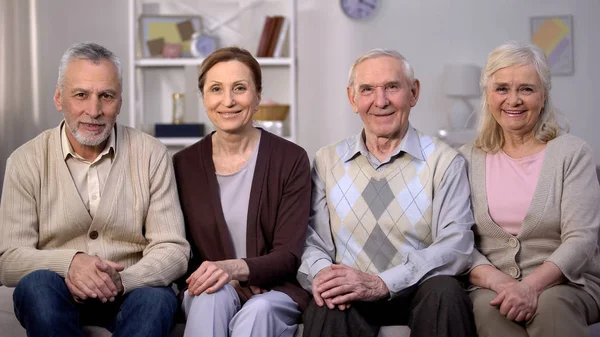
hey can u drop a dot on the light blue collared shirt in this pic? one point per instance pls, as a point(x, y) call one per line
point(410, 144)
point(450, 252)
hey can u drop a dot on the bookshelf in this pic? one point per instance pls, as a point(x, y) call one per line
point(152, 81)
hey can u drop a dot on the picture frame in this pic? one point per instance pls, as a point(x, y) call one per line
point(554, 35)
point(167, 36)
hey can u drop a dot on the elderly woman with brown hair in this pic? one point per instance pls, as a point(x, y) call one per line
point(245, 196)
point(536, 202)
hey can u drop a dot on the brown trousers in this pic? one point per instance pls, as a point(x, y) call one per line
point(437, 307)
point(563, 310)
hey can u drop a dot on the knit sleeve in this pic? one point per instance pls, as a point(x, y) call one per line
point(166, 255)
point(19, 225)
point(580, 215)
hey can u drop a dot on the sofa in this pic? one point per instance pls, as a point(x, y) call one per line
point(10, 326)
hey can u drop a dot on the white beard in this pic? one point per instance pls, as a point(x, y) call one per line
point(93, 139)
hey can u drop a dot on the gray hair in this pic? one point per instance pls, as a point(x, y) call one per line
point(378, 52)
point(87, 51)
point(490, 136)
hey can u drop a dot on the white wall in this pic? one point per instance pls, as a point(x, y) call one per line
point(62, 23)
point(430, 33)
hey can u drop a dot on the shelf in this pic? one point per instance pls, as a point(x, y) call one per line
point(180, 62)
point(151, 80)
point(187, 141)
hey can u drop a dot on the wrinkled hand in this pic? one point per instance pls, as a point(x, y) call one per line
point(213, 275)
point(112, 269)
point(345, 284)
point(518, 301)
point(319, 300)
point(85, 280)
point(500, 281)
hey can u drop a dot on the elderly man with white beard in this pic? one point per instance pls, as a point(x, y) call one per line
point(91, 227)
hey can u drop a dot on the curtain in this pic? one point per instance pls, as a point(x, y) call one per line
point(19, 115)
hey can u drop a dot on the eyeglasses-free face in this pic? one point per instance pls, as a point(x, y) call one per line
point(230, 97)
point(516, 98)
point(383, 97)
point(388, 88)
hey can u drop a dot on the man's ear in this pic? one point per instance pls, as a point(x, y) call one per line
point(57, 99)
point(414, 91)
point(351, 94)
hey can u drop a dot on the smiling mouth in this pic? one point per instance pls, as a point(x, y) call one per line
point(514, 112)
point(226, 114)
point(385, 114)
point(92, 126)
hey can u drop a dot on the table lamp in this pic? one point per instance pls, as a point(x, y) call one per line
point(461, 82)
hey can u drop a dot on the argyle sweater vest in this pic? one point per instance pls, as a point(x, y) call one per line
point(377, 215)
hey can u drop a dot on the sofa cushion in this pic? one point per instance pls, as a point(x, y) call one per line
point(10, 326)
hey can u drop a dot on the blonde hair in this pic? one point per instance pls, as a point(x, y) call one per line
point(490, 137)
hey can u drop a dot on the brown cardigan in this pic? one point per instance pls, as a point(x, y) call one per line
point(277, 212)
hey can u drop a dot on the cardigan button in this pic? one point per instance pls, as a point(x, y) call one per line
point(513, 242)
point(93, 235)
point(513, 271)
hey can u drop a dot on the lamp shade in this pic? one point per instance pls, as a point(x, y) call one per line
point(461, 80)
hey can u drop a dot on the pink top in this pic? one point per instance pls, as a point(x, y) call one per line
point(510, 185)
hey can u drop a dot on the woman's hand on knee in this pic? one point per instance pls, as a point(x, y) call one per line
point(209, 277)
point(517, 302)
point(213, 275)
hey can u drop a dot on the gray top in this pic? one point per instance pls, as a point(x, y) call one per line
point(234, 190)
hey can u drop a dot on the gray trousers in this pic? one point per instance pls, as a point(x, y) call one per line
point(562, 310)
point(221, 315)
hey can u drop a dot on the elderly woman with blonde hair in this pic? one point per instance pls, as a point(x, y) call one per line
point(536, 202)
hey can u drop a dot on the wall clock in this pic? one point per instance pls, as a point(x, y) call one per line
point(359, 9)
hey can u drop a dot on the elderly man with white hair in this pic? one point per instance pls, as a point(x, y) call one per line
point(391, 218)
point(91, 226)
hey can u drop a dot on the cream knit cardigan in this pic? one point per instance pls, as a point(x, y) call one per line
point(44, 223)
point(562, 222)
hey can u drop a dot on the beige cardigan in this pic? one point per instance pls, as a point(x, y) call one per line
point(562, 222)
point(43, 221)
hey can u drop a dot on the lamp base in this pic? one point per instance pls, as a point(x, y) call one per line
point(459, 114)
point(457, 138)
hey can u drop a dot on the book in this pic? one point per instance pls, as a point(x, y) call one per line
point(274, 35)
point(263, 45)
point(281, 37)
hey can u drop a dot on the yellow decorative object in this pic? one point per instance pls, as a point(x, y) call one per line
point(158, 31)
point(275, 112)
